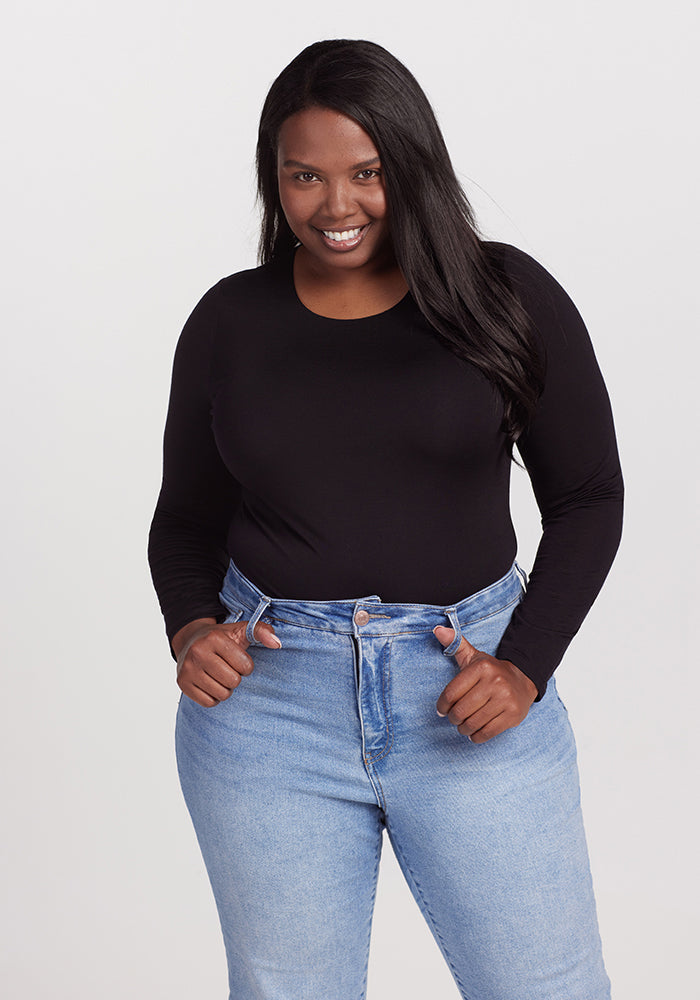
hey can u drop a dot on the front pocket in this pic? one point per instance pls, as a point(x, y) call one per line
point(485, 633)
point(233, 616)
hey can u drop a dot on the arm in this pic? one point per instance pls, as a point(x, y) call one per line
point(187, 541)
point(571, 456)
point(570, 453)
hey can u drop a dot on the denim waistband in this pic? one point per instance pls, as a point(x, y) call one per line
point(369, 614)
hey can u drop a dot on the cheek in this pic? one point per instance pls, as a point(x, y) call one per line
point(292, 204)
point(377, 205)
point(298, 210)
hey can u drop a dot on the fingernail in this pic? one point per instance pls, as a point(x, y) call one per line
point(278, 641)
point(441, 714)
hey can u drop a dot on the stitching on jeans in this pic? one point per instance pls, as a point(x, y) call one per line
point(429, 915)
point(416, 631)
point(379, 782)
point(386, 679)
point(371, 773)
point(473, 621)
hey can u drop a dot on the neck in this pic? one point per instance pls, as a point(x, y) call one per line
point(351, 293)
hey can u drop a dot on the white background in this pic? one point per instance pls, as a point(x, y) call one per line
point(129, 132)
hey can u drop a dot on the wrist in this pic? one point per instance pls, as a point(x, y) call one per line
point(183, 636)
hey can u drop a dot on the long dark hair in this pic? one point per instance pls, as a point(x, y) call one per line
point(453, 274)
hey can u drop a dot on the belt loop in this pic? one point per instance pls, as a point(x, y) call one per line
point(522, 574)
point(255, 618)
point(454, 645)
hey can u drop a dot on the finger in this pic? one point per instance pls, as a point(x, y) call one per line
point(446, 635)
point(475, 701)
point(495, 727)
point(263, 633)
point(220, 688)
point(227, 663)
point(198, 696)
point(474, 721)
point(460, 685)
point(209, 685)
point(228, 652)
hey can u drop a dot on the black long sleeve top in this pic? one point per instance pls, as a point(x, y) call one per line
point(337, 458)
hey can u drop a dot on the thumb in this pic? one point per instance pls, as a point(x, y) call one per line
point(445, 635)
point(265, 634)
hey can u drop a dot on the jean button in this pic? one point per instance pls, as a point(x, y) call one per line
point(361, 617)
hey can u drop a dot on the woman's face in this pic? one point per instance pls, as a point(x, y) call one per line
point(332, 190)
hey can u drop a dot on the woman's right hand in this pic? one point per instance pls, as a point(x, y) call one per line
point(212, 659)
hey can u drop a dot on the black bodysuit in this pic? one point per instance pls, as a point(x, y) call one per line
point(336, 458)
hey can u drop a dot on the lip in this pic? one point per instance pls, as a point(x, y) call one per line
point(345, 245)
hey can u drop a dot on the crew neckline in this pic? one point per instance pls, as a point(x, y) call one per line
point(289, 274)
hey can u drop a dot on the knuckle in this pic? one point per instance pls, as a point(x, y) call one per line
point(485, 668)
point(200, 643)
point(445, 701)
point(511, 705)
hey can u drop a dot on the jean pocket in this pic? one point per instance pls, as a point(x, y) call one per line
point(486, 632)
point(234, 614)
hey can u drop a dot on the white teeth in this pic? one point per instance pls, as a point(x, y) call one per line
point(347, 234)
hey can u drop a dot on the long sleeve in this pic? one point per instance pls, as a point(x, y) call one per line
point(187, 541)
point(570, 453)
point(383, 394)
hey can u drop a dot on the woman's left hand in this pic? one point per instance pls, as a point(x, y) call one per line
point(487, 696)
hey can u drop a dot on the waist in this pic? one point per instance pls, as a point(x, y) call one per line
point(376, 616)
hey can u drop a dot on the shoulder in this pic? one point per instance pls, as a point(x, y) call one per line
point(527, 277)
point(244, 286)
point(234, 298)
point(552, 312)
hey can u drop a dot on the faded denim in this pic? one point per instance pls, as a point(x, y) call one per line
point(333, 738)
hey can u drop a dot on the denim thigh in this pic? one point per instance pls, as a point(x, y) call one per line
point(291, 781)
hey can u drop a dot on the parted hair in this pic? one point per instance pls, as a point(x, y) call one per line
point(453, 273)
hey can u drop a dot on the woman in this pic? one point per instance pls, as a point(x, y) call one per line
point(334, 556)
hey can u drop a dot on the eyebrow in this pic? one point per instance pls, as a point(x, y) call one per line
point(315, 170)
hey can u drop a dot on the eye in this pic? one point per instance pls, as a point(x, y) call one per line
point(368, 174)
point(305, 176)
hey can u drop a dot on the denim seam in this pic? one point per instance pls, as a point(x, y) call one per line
point(371, 772)
point(416, 631)
point(491, 614)
point(386, 678)
point(429, 917)
point(375, 777)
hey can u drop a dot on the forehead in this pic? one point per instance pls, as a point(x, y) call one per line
point(321, 136)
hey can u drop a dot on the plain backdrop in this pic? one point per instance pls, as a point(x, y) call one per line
point(129, 133)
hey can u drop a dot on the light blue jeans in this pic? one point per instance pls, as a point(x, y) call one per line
point(334, 737)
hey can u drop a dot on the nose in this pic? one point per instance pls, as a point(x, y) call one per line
point(339, 201)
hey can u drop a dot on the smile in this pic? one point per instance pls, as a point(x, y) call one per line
point(346, 234)
point(344, 239)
